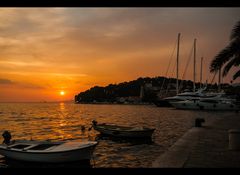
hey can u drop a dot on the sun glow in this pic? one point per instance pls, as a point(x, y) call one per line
point(62, 93)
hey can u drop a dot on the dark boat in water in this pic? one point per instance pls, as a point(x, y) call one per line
point(162, 103)
point(123, 131)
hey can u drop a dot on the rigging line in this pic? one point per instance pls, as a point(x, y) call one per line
point(213, 77)
point(189, 59)
point(208, 75)
point(200, 50)
point(174, 67)
point(169, 79)
point(168, 67)
point(185, 70)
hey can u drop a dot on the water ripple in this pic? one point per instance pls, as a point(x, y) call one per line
point(54, 121)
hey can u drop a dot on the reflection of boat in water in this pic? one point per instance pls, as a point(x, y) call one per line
point(47, 151)
point(135, 141)
point(123, 131)
point(11, 163)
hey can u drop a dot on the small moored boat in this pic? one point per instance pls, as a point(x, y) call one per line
point(123, 131)
point(47, 151)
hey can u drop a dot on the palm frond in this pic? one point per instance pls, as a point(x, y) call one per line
point(220, 59)
point(236, 75)
point(235, 31)
point(229, 55)
point(225, 55)
point(229, 65)
point(237, 62)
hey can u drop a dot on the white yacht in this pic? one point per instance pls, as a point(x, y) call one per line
point(218, 102)
point(187, 96)
point(167, 102)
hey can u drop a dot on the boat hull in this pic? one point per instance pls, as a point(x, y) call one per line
point(186, 105)
point(219, 106)
point(162, 103)
point(49, 157)
point(129, 134)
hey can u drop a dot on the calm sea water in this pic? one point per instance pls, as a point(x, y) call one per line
point(63, 121)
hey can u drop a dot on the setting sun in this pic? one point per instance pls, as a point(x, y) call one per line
point(62, 92)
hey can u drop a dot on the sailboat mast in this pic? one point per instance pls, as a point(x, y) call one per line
point(194, 66)
point(177, 61)
point(201, 73)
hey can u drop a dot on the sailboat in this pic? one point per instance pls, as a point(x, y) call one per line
point(163, 102)
point(195, 95)
point(209, 101)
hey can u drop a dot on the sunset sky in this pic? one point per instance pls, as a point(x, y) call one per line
point(52, 54)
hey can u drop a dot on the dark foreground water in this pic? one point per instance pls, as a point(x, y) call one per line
point(63, 121)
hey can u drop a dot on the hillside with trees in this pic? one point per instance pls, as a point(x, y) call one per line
point(113, 93)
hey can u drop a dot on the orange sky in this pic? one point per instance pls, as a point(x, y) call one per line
point(47, 50)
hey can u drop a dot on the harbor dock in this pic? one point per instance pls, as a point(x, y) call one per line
point(204, 147)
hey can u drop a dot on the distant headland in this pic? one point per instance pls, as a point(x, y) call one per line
point(142, 91)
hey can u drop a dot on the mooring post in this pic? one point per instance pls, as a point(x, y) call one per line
point(199, 121)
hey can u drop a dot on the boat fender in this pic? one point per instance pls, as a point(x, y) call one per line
point(7, 137)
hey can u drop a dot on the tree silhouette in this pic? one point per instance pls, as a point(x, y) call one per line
point(230, 55)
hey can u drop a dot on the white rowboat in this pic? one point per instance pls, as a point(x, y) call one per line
point(48, 152)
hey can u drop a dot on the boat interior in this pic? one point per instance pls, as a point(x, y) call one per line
point(24, 146)
point(115, 127)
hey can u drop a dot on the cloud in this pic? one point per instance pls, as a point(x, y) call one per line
point(5, 81)
point(87, 40)
point(30, 86)
point(24, 85)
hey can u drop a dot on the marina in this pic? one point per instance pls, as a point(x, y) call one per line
point(63, 121)
point(208, 146)
point(119, 87)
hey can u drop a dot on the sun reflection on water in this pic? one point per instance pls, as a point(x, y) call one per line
point(62, 122)
point(62, 106)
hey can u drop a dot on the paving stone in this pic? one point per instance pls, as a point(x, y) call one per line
point(205, 147)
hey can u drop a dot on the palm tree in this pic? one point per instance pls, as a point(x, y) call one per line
point(230, 55)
